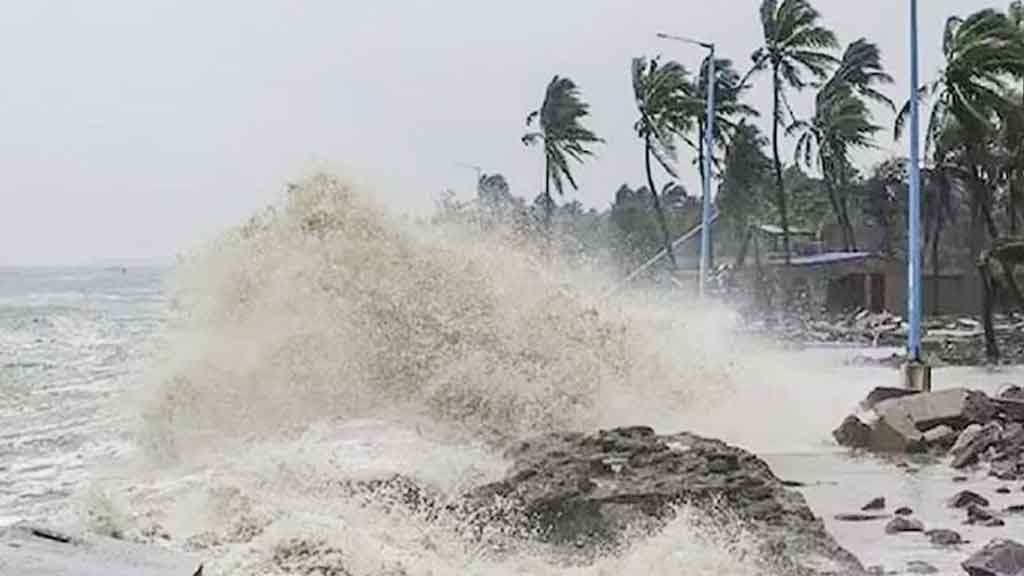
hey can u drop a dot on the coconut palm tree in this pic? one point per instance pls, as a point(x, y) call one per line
point(563, 136)
point(795, 44)
point(664, 100)
point(841, 123)
point(982, 52)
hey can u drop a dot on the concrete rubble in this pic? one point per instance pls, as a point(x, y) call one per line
point(968, 426)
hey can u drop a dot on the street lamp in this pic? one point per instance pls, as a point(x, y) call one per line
point(918, 374)
point(709, 139)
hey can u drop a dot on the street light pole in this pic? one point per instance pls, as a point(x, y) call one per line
point(914, 248)
point(709, 140)
point(709, 136)
point(918, 374)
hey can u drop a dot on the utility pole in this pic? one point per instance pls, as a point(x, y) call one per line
point(709, 141)
point(916, 371)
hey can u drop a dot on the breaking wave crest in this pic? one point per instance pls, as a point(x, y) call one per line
point(328, 307)
point(326, 344)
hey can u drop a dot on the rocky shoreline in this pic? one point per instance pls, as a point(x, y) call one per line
point(591, 491)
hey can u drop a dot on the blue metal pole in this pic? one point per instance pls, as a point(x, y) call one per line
point(914, 292)
point(709, 140)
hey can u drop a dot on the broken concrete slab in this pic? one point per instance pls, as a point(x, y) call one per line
point(956, 408)
point(883, 393)
point(38, 551)
point(902, 524)
point(895, 431)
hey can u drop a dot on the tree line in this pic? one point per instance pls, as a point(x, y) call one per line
point(973, 165)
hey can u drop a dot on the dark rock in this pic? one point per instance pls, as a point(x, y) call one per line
point(960, 479)
point(997, 558)
point(1003, 490)
point(876, 504)
point(902, 524)
point(967, 498)
point(956, 408)
point(977, 515)
point(1015, 509)
point(853, 433)
point(919, 567)
point(588, 491)
point(904, 511)
point(973, 442)
point(793, 484)
point(859, 517)
point(943, 537)
point(1013, 392)
point(883, 393)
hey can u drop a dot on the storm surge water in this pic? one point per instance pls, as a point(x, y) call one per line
point(326, 347)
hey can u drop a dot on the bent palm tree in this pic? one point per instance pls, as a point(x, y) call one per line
point(663, 98)
point(795, 44)
point(841, 123)
point(981, 53)
point(562, 134)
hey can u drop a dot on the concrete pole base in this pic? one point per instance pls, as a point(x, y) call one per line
point(917, 376)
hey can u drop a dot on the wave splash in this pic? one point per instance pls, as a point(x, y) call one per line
point(326, 342)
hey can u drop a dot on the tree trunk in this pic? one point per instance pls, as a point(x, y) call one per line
point(780, 191)
point(985, 273)
point(549, 203)
point(666, 237)
point(936, 262)
point(834, 201)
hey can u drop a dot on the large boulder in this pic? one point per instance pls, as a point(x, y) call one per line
point(589, 490)
point(956, 408)
point(998, 558)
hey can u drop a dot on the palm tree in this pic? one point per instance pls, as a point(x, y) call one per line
point(746, 175)
point(794, 44)
point(664, 101)
point(981, 53)
point(562, 134)
point(1015, 133)
point(842, 123)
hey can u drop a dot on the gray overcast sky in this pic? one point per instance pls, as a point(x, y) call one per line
point(139, 128)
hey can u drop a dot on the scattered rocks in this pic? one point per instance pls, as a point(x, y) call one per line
point(902, 524)
point(585, 491)
point(960, 479)
point(943, 537)
point(998, 558)
point(968, 425)
point(875, 504)
point(1003, 490)
point(904, 511)
point(977, 515)
point(966, 499)
point(1015, 509)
